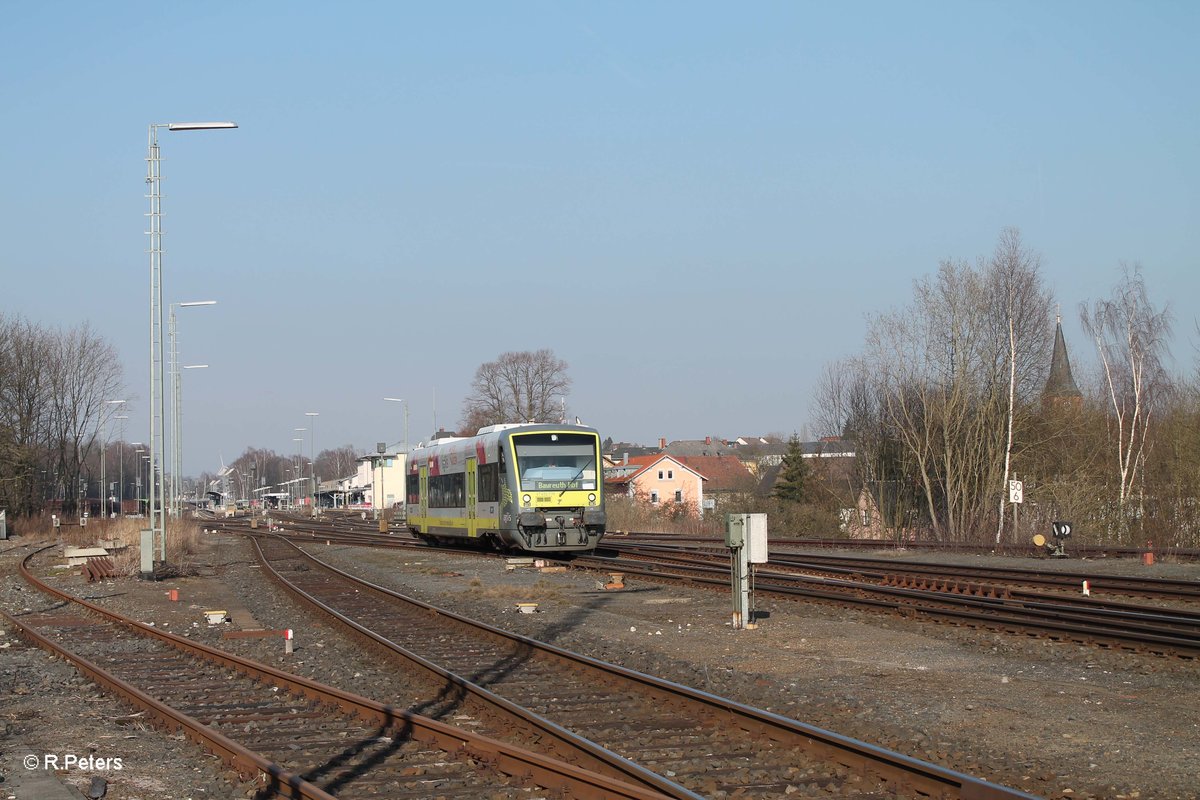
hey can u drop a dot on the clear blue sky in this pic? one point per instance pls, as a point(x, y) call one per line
point(694, 204)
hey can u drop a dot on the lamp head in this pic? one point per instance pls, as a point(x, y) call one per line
point(199, 126)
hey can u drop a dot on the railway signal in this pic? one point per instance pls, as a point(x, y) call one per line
point(1061, 531)
point(746, 536)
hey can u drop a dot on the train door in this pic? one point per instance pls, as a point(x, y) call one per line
point(423, 487)
point(472, 496)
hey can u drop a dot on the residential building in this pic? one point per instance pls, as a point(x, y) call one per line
point(657, 480)
point(708, 446)
point(725, 476)
point(695, 481)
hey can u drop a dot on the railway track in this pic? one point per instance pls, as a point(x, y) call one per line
point(702, 744)
point(1007, 549)
point(346, 529)
point(295, 737)
point(964, 601)
point(989, 597)
point(892, 570)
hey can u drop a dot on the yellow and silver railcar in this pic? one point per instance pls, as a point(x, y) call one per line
point(527, 487)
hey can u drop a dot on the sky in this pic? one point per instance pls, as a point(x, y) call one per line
point(696, 205)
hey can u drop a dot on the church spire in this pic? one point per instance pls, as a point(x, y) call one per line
point(1060, 386)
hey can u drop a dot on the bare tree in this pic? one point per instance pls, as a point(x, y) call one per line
point(24, 407)
point(517, 387)
point(833, 409)
point(1172, 472)
point(262, 466)
point(1131, 339)
point(1014, 275)
point(83, 373)
point(337, 463)
point(932, 403)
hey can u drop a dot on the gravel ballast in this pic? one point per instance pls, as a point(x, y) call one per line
point(1054, 719)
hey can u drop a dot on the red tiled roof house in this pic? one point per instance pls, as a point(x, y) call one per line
point(656, 480)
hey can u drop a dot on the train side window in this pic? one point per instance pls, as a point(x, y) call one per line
point(447, 491)
point(489, 483)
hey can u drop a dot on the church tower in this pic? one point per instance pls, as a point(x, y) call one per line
point(1061, 393)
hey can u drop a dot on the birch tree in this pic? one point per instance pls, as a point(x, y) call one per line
point(1014, 275)
point(1131, 336)
point(948, 373)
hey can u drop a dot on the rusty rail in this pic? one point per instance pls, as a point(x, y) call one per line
point(505, 758)
point(895, 770)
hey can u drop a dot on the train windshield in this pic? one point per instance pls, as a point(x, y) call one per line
point(556, 461)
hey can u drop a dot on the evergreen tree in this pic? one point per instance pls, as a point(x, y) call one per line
point(792, 485)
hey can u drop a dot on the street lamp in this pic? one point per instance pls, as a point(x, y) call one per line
point(176, 406)
point(312, 455)
point(121, 449)
point(299, 470)
point(177, 449)
point(402, 400)
point(158, 520)
point(137, 479)
point(103, 453)
point(139, 448)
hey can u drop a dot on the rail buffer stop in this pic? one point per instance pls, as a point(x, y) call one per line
point(746, 537)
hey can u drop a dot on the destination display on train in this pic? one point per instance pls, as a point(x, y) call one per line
point(556, 486)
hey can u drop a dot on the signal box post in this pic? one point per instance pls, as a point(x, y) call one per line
point(746, 536)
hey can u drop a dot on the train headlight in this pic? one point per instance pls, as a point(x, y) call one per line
point(592, 499)
point(526, 499)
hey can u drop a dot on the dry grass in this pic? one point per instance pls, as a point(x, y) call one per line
point(540, 592)
point(785, 519)
point(123, 538)
point(627, 514)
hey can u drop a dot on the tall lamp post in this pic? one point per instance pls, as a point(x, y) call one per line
point(121, 478)
point(402, 400)
point(299, 461)
point(158, 519)
point(404, 466)
point(176, 403)
point(312, 454)
point(177, 440)
point(139, 449)
point(137, 473)
point(103, 453)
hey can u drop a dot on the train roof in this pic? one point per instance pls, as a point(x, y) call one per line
point(501, 428)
